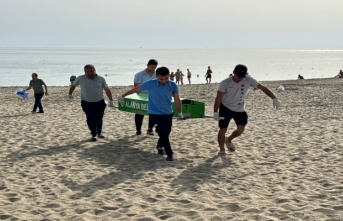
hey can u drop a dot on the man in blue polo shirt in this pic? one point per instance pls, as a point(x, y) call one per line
point(161, 93)
point(147, 74)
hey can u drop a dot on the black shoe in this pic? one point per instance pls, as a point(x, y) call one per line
point(160, 150)
point(41, 112)
point(170, 158)
point(149, 132)
point(101, 136)
point(138, 132)
point(93, 138)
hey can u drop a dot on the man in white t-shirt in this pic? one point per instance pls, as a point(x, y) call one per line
point(230, 102)
point(147, 74)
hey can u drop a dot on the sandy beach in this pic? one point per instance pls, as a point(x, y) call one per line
point(287, 166)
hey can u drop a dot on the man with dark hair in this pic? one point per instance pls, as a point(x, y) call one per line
point(92, 99)
point(37, 85)
point(230, 102)
point(161, 92)
point(141, 77)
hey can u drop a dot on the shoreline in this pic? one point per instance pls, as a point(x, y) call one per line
point(185, 84)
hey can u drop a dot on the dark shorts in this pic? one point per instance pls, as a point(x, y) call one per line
point(208, 76)
point(241, 118)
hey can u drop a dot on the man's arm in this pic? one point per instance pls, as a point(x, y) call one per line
point(71, 89)
point(218, 101)
point(266, 91)
point(132, 91)
point(46, 89)
point(28, 88)
point(177, 103)
point(135, 84)
point(108, 93)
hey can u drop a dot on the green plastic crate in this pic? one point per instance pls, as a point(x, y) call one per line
point(138, 103)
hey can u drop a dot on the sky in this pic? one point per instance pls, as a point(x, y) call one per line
point(172, 23)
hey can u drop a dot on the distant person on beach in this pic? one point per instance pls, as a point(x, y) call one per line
point(189, 75)
point(172, 75)
point(208, 75)
point(147, 74)
point(37, 85)
point(340, 74)
point(181, 77)
point(177, 76)
point(230, 102)
point(92, 99)
point(161, 91)
point(300, 77)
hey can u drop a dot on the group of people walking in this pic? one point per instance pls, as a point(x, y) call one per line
point(162, 91)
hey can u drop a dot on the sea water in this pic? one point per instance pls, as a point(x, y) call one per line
point(118, 66)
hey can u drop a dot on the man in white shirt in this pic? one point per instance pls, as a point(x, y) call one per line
point(147, 74)
point(230, 102)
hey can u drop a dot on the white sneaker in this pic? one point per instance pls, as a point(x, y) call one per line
point(230, 146)
point(221, 153)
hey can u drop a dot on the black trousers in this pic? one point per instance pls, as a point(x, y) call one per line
point(94, 112)
point(163, 129)
point(38, 103)
point(139, 121)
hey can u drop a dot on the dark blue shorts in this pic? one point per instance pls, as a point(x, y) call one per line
point(241, 118)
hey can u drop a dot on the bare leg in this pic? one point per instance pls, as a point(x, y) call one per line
point(236, 133)
point(221, 138)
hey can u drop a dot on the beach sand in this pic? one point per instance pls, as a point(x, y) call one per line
point(287, 166)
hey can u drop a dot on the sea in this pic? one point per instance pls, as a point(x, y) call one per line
point(56, 65)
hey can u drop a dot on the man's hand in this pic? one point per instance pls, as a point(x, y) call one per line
point(180, 116)
point(276, 103)
point(216, 116)
point(120, 98)
point(46, 93)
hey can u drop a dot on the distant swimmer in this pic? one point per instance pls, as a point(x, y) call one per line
point(172, 75)
point(208, 75)
point(189, 75)
point(177, 76)
point(300, 77)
